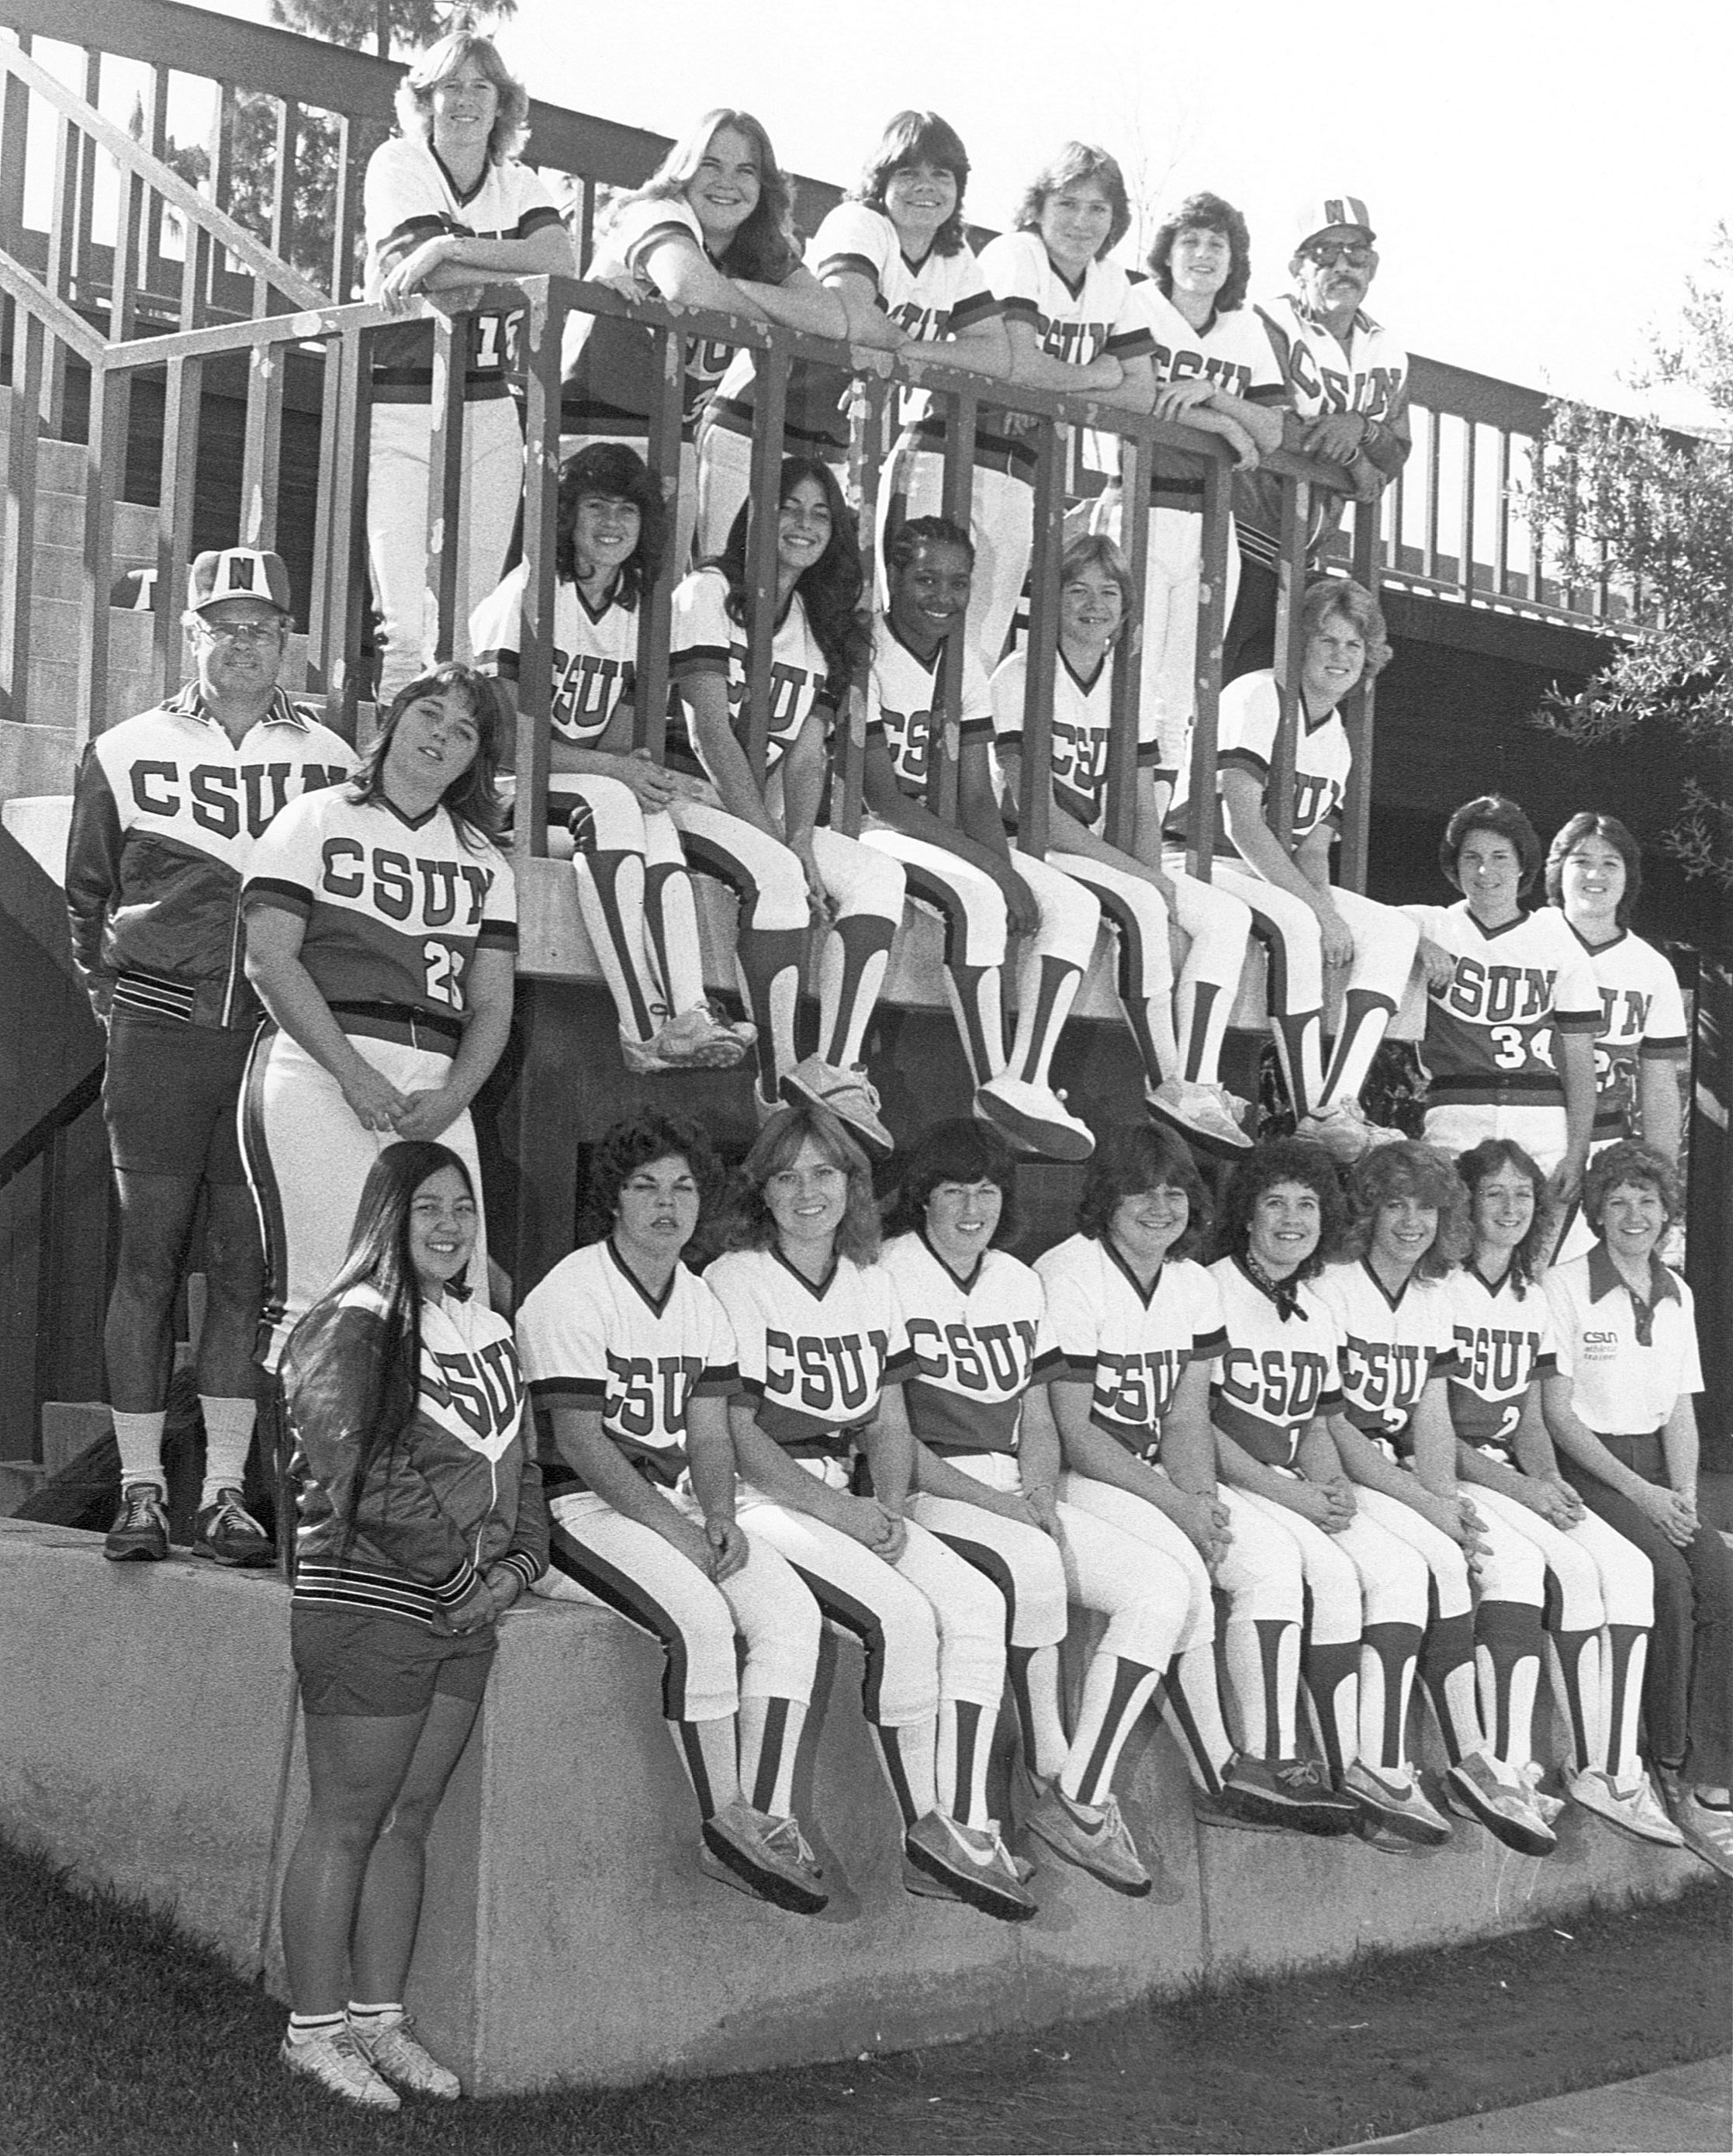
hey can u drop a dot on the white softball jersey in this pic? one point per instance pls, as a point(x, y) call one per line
point(1392, 1346)
point(595, 654)
point(977, 1345)
point(705, 640)
point(1489, 1030)
point(1273, 1373)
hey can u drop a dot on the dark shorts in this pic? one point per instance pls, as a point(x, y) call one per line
point(353, 1661)
point(170, 1097)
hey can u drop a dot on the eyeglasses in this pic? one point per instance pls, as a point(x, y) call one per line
point(243, 632)
point(1327, 252)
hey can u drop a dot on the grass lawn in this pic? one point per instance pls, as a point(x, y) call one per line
point(117, 2036)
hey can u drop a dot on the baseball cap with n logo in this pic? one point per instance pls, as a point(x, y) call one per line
point(1321, 212)
point(237, 572)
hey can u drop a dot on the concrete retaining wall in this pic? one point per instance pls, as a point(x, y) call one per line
point(148, 1740)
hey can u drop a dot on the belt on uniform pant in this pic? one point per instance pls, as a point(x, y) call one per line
point(405, 1023)
point(1015, 463)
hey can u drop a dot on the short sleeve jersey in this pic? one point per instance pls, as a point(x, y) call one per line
point(1074, 323)
point(1392, 1346)
point(591, 1335)
point(902, 688)
point(409, 198)
point(1621, 1385)
point(1247, 720)
point(977, 1345)
point(1081, 732)
point(595, 655)
point(1642, 1020)
point(1489, 1031)
point(1504, 1341)
point(1234, 352)
point(1129, 1345)
point(813, 1360)
point(1275, 1374)
point(706, 640)
point(393, 910)
point(609, 362)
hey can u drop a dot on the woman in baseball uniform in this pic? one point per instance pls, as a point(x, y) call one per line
point(1275, 1396)
point(381, 935)
point(1308, 922)
point(1179, 1026)
point(630, 1362)
point(1513, 1006)
point(1396, 1354)
point(448, 207)
point(823, 1354)
point(632, 888)
point(1597, 1636)
point(1620, 1411)
point(712, 227)
point(1215, 370)
point(1071, 325)
point(419, 1523)
point(1138, 1323)
point(764, 840)
point(1594, 876)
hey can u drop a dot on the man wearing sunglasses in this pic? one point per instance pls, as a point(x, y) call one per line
point(165, 812)
point(1346, 391)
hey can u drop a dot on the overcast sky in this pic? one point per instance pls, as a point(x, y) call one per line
point(1543, 176)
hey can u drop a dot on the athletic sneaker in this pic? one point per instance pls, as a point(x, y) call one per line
point(1344, 1132)
point(400, 2057)
point(141, 1528)
point(336, 2062)
point(974, 1860)
point(1546, 1807)
point(697, 1040)
point(1396, 1804)
point(1095, 1839)
point(228, 1532)
point(1291, 1792)
point(1631, 1806)
point(1477, 1787)
point(1706, 1832)
point(1033, 1118)
point(1210, 1114)
point(765, 1856)
point(849, 1095)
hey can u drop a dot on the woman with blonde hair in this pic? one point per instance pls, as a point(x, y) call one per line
point(448, 207)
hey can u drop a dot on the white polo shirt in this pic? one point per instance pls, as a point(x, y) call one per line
point(1619, 1387)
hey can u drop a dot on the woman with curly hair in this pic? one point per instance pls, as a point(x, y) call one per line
point(417, 1527)
point(824, 1354)
point(1215, 370)
point(381, 937)
point(765, 839)
point(1274, 1401)
point(1139, 1324)
point(1408, 1226)
point(1620, 1410)
point(1310, 924)
point(448, 209)
point(1597, 1636)
point(1071, 326)
point(632, 888)
point(712, 227)
point(630, 1362)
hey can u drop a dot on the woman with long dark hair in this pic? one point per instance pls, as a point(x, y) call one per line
point(765, 839)
point(712, 226)
point(632, 888)
point(381, 935)
point(823, 1353)
point(1600, 1614)
point(419, 1523)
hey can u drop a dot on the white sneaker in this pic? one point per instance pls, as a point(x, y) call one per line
point(1631, 1806)
point(1480, 1787)
point(1033, 1118)
point(1545, 1807)
point(397, 2054)
point(849, 1095)
point(1208, 1113)
point(1344, 1132)
point(973, 1861)
point(338, 2063)
point(1708, 1834)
